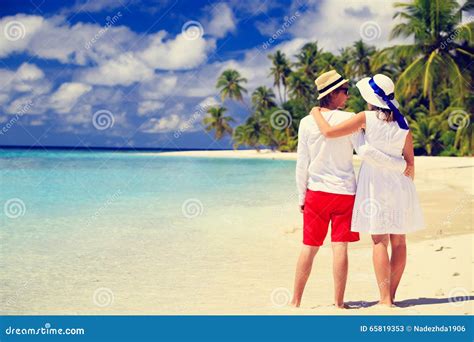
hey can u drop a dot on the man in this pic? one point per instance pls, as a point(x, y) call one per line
point(326, 184)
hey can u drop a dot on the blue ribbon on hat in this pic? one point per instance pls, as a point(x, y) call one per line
point(388, 100)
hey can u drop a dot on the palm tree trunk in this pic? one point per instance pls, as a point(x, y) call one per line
point(279, 92)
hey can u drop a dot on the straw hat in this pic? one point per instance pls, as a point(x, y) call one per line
point(369, 95)
point(328, 82)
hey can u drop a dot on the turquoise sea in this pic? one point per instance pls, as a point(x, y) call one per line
point(78, 222)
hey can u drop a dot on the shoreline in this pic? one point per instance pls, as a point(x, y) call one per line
point(254, 154)
point(447, 162)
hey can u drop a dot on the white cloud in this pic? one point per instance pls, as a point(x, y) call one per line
point(17, 32)
point(174, 54)
point(181, 117)
point(123, 70)
point(107, 45)
point(26, 78)
point(338, 24)
point(25, 85)
point(29, 72)
point(222, 21)
point(209, 101)
point(160, 86)
point(67, 95)
point(148, 107)
point(162, 125)
point(54, 38)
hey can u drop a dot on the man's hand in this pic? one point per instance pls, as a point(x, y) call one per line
point(410, 171)
point(302, 208)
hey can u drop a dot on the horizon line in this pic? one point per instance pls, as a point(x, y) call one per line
point(151, 149)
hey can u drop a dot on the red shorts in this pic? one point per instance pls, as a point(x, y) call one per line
point(320, 208)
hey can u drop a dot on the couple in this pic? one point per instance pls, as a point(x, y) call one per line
point(384, 203)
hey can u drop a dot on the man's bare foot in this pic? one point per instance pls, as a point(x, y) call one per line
point(386, 303)
point(342, 306)
point(295, 304)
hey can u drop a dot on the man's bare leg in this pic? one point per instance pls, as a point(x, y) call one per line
point(382, 267)
point(398, 261)
point(303, 270)
point(339, 268)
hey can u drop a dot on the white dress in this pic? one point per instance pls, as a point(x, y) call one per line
point(386, 201)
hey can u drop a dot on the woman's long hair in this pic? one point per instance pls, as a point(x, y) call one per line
point(384, 114)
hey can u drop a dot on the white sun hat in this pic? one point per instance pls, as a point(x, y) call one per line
point(384, 82)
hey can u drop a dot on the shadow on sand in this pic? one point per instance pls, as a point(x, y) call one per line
point(413, 302)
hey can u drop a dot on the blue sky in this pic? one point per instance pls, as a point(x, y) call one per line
point(126, 73)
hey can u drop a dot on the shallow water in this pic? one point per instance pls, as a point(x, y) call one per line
point(84, 232)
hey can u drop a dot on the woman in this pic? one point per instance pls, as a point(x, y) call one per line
point(386, 204)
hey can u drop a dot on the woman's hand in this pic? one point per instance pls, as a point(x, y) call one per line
point(346, 127)
point(410, 171)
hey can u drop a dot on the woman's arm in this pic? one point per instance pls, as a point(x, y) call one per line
point(409, 156)
point(344, 128)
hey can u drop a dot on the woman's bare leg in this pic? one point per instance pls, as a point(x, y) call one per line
point(382, 266)
point(398, 261)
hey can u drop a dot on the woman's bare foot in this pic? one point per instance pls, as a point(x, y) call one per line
point(342, 306)
point(386, 303)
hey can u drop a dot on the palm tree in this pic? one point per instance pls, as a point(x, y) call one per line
point(300, 87)
point(441, 50)
point(426, 132)
point(230, 86)
point(327, 61)
point(217, 121)
point(254, 130)
point(456, 119)
point(280, 71)
point(306, 60)
point(263, 98)
point(240, 136)
point(359, 65)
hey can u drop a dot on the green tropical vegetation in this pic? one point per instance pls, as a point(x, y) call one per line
point(433, 83)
